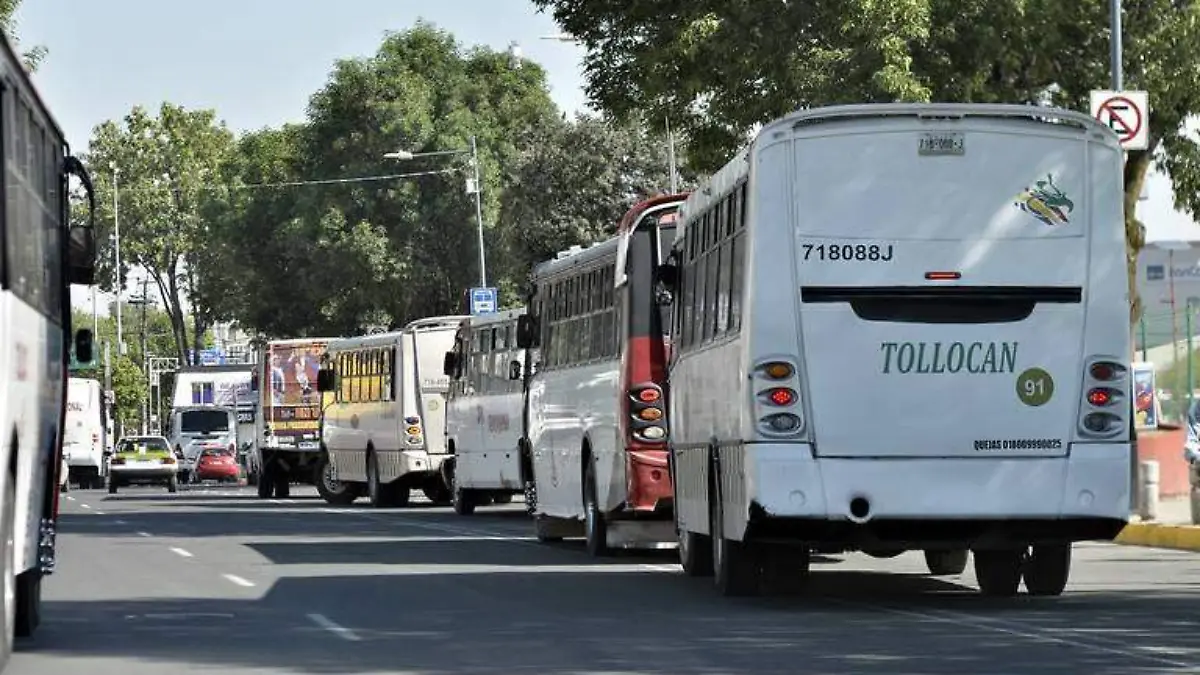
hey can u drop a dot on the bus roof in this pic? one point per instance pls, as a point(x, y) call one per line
point(298, 341)
point(635, 212)
point(435, 322)
point(859, 111)
point(576, 256)
point(494, 318)
point(13, 63)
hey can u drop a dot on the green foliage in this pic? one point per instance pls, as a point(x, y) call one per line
point(718, 67)
point(34, 56)
point(167, 166)
point(334, 258)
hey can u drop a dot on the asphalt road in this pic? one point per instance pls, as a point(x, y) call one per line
point(210, 578)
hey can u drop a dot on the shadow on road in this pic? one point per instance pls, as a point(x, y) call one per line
point(595, 621)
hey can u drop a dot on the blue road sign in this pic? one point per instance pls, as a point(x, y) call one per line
point(483, 301)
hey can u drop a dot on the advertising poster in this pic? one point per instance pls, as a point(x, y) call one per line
point(1145, 396)
point(290, 396)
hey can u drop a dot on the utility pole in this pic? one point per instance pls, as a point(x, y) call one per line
point(145, 363)
point(117, 276)
point(671, 158)
point(477, 189)
point(1116, 45)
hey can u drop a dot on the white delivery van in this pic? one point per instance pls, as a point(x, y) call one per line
point(86, 433)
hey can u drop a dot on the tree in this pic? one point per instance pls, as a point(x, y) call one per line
point(720, 67)
point(8, 24)
point(338, 257)
point(572, 182)
point(168, 167)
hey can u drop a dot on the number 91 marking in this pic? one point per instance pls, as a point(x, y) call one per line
point(848, 252)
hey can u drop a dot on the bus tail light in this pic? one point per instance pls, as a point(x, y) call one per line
point(647, 417)
point(1104, 408)
point(412, 430)
point(777, 405)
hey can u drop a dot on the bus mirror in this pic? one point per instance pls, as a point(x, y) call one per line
point(450, 365)
point(325, 380)
point(81, 256)
point(526, 332)
point(514, 370)
point(83, 345)
point(668, 275)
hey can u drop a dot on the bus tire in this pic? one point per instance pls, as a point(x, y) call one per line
point(1047, 569)
point(8, 531)
point(283, 484)
point(334, 492)
point(595, 527)
point(946, 563)
point(437, 493)
point(736, 570)
point(999, 571)
point(464, 501)
point(378, 494)
point(29, 602)
point(542, 530)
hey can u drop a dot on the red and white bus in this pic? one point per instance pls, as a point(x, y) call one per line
point(594, 451)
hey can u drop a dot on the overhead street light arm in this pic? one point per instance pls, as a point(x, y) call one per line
point(405, 155)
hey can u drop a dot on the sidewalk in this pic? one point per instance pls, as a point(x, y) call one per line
point(1172, 529)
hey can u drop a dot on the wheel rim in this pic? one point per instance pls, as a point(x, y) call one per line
point(331, 483)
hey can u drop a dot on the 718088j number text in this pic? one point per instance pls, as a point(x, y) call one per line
point(848, 252)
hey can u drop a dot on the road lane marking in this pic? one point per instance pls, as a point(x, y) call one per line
point(235, 579)
point(99, 513)
point(118, 521)
point(70, 499)
point(1016, 630)
point(181, 552)
point(143, 534)
point(86, 506)
point(328, 624)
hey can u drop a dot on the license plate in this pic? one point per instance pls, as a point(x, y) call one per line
point(942, 143)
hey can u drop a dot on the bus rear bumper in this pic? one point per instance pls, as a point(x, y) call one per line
point(648, 489)
point(1082, 496)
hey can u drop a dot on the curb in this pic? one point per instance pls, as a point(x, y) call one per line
point(1158, 535)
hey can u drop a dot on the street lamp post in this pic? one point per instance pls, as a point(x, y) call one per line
point(117, 285)
point(472, 187)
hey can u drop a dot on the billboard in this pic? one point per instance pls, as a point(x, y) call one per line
point(290, 401)
point(1166, 281)
point(217, 386)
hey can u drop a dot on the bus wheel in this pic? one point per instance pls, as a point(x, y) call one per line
point(1047, 569)
point(29, 602)
point(596, 529)
point(436, 492)
point(999, 572)
point(464, 502)
point(266, 483)
point(695, 552)
point(946, 563)
point(735, 568)
point(8, 531)
point(332, 490)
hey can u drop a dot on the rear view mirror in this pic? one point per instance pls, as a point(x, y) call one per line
point(83, 345)
point(81, 256)
point(450, 365)
point(514, 370)
point(527, 331)
point(325, 380)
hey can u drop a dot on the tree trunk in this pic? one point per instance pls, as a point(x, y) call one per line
point(1136, 165)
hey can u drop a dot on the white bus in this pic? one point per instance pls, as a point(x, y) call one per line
point(86, 434)
point(596, 428)
point(42, 255)
point(384, 414)
point(484, 412)
point(904, 327)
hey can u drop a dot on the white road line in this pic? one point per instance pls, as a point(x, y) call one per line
point(1016, 630)
point(99, 513)
point(235, 579)
point(181, 552)
point(661, 568)
point(70, 499)
point(118, 521)
point(86, 506)
point(326, 623)
point(143, 534)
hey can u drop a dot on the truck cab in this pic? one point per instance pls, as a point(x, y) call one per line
point(196, 428)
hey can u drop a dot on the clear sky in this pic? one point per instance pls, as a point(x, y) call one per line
point(255, 61)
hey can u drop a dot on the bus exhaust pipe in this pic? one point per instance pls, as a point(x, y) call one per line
point(860, 510)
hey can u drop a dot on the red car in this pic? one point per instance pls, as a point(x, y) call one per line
point(217, 464)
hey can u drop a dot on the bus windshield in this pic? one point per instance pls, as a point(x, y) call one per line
point(203, 421)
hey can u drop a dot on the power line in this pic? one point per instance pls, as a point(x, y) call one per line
point(299, 183)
